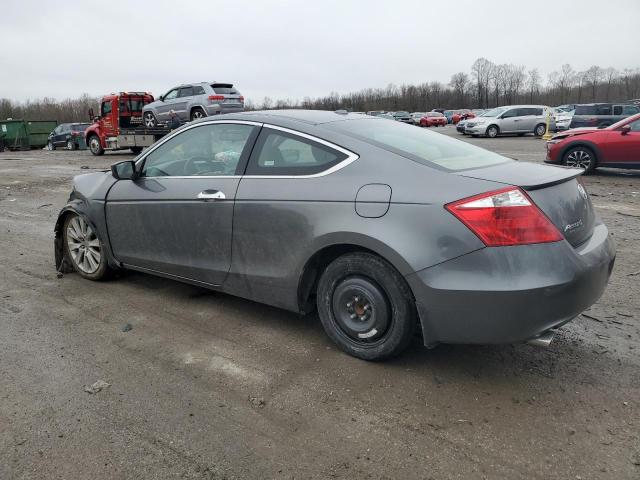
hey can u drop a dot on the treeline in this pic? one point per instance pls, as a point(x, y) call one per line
point(486, 85)
point(64, 111)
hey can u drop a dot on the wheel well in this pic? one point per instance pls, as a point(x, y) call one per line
point(315, 266)
point(62, 263)
point(196, 107)
point(493, 125)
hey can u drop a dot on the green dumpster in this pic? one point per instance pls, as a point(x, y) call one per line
point(15, 134)
point(38, 131)
point(23, 135)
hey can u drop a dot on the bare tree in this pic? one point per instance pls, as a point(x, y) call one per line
point(481, 71)
point(610, 75)
point(459, 82)
point(533, 83)
point(593, 76)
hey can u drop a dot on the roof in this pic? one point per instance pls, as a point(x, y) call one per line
point(311, 117)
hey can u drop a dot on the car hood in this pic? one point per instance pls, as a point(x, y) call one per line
point(576, 131)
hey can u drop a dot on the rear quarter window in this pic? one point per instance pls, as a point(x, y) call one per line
point(420, 145)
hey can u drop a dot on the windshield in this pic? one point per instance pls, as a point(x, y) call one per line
point(401, 114)
point(79, 127)
point(494, 112)
point(420, 145)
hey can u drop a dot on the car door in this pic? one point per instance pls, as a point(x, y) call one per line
point(185, 95)
point(57, 135)
point(176, 218)
point(510, 121)
point(109, 118)
point(623, 149)
point(166, 105)
point(285, 187)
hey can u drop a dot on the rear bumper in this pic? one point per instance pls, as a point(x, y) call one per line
point(511, 294)
point(216, 109)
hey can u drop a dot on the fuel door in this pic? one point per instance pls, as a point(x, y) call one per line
point(372, 200)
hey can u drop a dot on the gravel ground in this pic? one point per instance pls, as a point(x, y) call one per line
point(206, 385)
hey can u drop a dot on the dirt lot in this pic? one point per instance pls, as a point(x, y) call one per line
point(211, 386)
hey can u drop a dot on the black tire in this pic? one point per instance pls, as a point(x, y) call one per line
point(149, 120)
point(540, 130)
point(50, 146)
point(197, 113)
point(71, 145)
point(521, 134)
point(366, 307)
point(102, 270)
point(492, 131)
point(136, 150)
point(580, 157)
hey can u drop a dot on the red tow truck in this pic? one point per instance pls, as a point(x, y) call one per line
point(119, 125)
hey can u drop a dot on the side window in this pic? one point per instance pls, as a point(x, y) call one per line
point(629, 110)
point(536, 111)
point(207, 150)
point(617, 109)
point(105, 109)
point(172, 94)
point(282, 153)
point(511, 113)
point(198, 90)
point(604, 110)
point(185, 92)
point(635, 126)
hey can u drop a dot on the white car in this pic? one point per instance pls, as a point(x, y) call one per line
point(416, 116)
point(518, 119)
point(563, 118)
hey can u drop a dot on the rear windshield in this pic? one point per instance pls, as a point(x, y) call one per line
point(420, 145)
point(224, 89)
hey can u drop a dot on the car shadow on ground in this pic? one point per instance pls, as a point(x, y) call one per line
point(569, 357)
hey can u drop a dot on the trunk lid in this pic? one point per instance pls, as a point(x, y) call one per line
point(555, 190)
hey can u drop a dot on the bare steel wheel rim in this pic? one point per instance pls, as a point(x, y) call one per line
point(361, 310)
point(579, 158)
point(69, 145)
point(84, 246)
point(198, 114)
point(541, 130)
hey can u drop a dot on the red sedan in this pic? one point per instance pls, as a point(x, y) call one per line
point(433, 119)
point(617, 146)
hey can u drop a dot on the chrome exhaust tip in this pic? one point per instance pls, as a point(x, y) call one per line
point(543, 340)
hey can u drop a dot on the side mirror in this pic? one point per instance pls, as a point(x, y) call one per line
point(625, 129)
point(125, 170)
point(161, 98)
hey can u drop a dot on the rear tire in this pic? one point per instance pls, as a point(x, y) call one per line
point(94, 145)
point(492, 131)
point(197, 113)
point(149, 120)
point(580, 157)
point(71, 145)
point(50, 146)
point(366, 307)
point(540, 130)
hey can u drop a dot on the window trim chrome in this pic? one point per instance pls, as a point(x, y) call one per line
point(351, 156)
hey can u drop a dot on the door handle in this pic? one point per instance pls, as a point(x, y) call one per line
point(211, 195)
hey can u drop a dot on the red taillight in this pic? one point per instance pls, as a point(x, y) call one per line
point(241, 99)
point(504, 217)
point(216, 98)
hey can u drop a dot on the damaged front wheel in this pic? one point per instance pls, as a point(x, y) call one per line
point(84, 249)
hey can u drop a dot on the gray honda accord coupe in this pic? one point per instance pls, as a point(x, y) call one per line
point(384, 229)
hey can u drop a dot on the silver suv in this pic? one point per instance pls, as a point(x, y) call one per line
point(192, 101)
point(519, 119)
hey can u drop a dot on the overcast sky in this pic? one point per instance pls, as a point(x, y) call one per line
point(292, 49)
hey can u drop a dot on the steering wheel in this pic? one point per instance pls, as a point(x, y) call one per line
point(193, 166)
